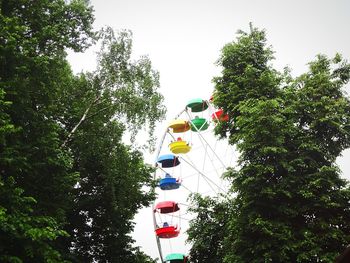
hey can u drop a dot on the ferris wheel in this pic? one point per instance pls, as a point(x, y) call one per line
point(190, 160)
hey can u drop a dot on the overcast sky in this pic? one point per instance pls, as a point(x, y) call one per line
point(183, 39)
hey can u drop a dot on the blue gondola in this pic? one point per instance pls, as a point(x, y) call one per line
point(169, 183)
point(168, 160)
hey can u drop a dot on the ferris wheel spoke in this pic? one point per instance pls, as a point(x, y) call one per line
point(204, 176)
point(201, 136)
point(211, 159)
point(191, 163)
point(182, 185)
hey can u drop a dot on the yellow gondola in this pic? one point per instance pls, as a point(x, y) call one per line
point(179, 146)
point(179, 126)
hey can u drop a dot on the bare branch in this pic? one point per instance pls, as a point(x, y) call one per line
point(82, 119)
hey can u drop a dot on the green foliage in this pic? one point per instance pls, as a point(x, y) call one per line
point(132, 84)
point(246, 74)
point(208, 229)
point(34, 171)
point(110, 191)
point(66, 176)
point(291, 204)
point(114, 182)
point(25, 237)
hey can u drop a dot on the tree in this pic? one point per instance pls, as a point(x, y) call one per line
point(34, 169)
point(291, 204)
point(21, 232)
point(114, 181)
point(62, 157)
point(208, 229)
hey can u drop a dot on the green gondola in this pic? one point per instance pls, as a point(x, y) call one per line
point(197, 105)
point(175, 258)
point(199, 124)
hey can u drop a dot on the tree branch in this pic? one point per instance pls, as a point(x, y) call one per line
point(82, 119)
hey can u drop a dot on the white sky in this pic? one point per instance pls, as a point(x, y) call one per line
point(183, 39)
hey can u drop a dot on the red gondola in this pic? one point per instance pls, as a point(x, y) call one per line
point(167, 232)
point(220, 116)
point(166, 207)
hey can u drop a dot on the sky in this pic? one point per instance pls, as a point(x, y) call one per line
point(183, 39)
